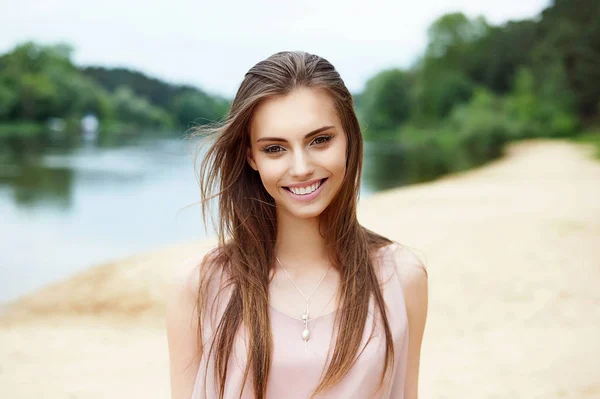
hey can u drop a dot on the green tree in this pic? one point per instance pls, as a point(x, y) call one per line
point(496, 56)
point(443, 73)
point(185, 103)
point(43, 83)
point(450, 38)
point(8, 99)
point(132, 108)
point(437, 93)
point(537, 109)
point(385, 102)
point(194, 106)
point(570, 32)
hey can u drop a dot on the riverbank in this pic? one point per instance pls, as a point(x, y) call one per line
point(512, 250)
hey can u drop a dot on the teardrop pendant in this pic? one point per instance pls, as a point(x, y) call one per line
point(305, 334)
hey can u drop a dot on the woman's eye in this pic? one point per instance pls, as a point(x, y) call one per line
point(272, 149)
point(322, 139)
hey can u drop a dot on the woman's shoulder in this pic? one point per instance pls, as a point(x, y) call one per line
point(188, 274)
point(408, 264)
point(181, 321)
point(408, 268)
point(412, 274)
point(404, 261)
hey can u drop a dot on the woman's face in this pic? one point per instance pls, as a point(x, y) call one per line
point(298, 147)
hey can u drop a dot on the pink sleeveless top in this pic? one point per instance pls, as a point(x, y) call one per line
point(296, 369)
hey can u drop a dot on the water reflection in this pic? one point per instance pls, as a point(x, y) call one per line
point(32, 184)
point(384, 166)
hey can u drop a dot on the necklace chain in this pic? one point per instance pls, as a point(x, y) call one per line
point(305, 319)
point(298, 288)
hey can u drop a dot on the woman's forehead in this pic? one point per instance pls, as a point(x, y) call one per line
point(293, 115)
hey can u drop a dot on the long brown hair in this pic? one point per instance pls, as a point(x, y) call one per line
point(247, 223)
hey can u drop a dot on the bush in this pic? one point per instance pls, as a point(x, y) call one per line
point(539, 112)
point(481, 127)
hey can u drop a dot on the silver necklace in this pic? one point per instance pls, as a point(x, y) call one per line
point(304, 316)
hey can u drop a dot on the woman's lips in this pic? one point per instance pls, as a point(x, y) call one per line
point(307, 197)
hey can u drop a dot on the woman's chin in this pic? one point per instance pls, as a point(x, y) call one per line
point(307, 211)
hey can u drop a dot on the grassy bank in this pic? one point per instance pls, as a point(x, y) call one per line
point(590, 138)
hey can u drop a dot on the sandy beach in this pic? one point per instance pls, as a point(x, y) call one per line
point(513, 253)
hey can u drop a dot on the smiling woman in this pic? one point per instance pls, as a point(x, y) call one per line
point(298, 300)
point(306, 169)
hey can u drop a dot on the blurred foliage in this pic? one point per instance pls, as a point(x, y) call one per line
point(477, 86)
point(442, 74)
point(385, 102)
point(438, 92)
point(569, 33)
point(591, 137)
point(40, 82)
point(184, 104)
point(542, 111)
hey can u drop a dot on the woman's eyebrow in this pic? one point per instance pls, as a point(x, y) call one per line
point(308, 135)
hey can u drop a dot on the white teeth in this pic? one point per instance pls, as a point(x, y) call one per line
point(305, 190)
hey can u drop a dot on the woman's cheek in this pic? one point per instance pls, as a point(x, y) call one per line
point(336, 159)
point(271, 175)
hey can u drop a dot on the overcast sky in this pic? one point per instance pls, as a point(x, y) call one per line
point(213, 44)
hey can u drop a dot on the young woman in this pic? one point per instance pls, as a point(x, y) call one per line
point(298, 300)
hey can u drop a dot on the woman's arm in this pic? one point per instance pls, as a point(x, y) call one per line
point(414, 279)
point(182, 329)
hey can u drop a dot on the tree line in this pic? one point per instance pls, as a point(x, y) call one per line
point(478, 86)
point(39, 82)
point(543, 73)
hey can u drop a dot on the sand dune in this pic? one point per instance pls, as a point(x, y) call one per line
point(513, 253)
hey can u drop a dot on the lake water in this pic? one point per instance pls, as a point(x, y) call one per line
point(64, 210)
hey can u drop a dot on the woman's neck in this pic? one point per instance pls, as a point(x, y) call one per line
point(300, 245)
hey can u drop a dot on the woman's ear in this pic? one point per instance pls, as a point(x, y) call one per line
point(251, 159)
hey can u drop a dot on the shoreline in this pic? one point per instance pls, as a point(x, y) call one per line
point(512, 253)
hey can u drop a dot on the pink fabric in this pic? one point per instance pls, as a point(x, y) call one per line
point(296, 370)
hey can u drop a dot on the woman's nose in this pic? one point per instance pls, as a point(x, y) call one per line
point(301, 165)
